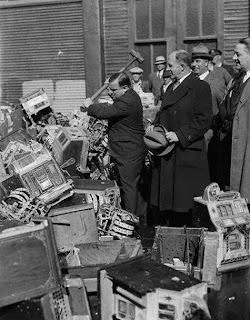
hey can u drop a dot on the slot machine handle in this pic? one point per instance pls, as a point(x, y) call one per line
point(68, 163)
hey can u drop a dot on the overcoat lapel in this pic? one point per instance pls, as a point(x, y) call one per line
point(245, 96)
point(176, 95)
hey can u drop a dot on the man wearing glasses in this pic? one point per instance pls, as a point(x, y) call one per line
point(125, 132)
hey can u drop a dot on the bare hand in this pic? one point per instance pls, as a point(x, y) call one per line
point(87, 102)
point(171, 136)
point(150, 128)
point(106, 81)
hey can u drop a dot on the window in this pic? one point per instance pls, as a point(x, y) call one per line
point(126, 310)
point(149, 35)
point(201, 23)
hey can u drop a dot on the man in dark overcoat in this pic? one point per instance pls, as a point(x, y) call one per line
point(125, 134)
point(186, 112)
point(200, 60)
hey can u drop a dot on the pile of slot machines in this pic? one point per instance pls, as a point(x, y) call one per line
point(41, 153)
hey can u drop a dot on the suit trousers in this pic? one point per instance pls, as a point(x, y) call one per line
point(129, 177)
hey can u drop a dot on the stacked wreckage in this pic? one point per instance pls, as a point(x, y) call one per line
point(64, 236)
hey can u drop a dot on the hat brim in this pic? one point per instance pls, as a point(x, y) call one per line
point(163, 151)
point(156, 141)
point(161, 62)
point(204, 55)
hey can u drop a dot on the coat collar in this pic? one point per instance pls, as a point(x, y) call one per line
point(173, 97)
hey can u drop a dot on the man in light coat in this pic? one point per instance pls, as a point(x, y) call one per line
point(240, 160)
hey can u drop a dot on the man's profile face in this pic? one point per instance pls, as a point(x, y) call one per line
point(199, 66)
point(174, 66)
point(241, 57)
point(115, 91)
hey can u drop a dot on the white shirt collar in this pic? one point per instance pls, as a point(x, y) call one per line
point(160, 73)
point(183, 78)
point(203, 75)
point(247, 75)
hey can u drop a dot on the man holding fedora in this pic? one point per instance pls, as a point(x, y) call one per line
point(156, 78)
point(186, 114)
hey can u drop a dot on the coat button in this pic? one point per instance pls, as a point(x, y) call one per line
point(175, 112)
point(189, 137)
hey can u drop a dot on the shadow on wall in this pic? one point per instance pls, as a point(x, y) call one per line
point(64, 95)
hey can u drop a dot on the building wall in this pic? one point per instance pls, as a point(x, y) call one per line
point(236, 24)
point(115, 35)
point(71, 46)
point(50, 44)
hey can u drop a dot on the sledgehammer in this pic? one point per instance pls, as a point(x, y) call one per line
point(135, 56)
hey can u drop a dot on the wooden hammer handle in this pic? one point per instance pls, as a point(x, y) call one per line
point(136, 56)
point(98, 92)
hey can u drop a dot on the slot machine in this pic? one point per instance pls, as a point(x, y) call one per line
point(35, 102)
point(71, 144)
point(230, 216)
point(42, 176)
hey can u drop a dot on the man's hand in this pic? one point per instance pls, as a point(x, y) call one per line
point(86, 103)
point(150, 128)
point(171, 136)
point(106, 81)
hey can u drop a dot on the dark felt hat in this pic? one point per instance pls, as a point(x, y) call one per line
point(201, 52)
point(156, 141)
point(215, 52)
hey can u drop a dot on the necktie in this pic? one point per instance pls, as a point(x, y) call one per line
point(177, 83)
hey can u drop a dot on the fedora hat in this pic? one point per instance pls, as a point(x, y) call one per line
point(201, 52)
point(156, 141)
point(160, 60)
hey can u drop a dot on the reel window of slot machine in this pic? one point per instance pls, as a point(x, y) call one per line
point(62, 139)
point(43, 179)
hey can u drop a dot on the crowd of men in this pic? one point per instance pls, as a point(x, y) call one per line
point(199, 135)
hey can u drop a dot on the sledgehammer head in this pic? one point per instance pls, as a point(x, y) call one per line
point(137, 55)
